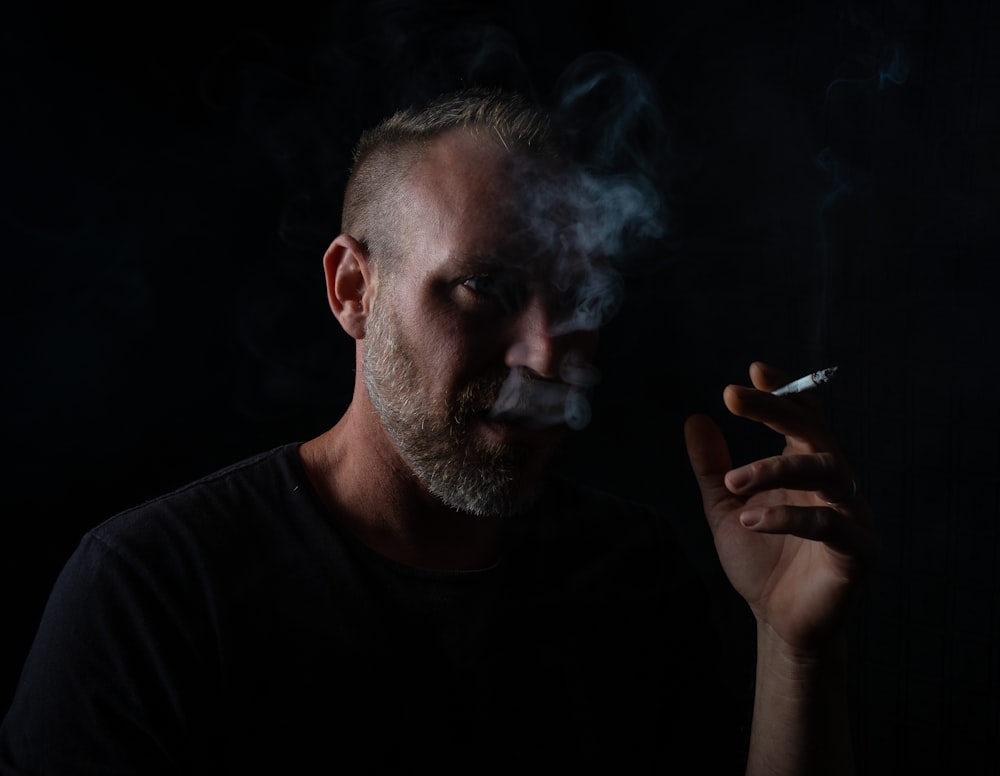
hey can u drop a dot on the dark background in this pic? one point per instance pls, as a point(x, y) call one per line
point(171, 177)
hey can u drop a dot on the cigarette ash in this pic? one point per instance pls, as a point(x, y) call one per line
point(806, 383)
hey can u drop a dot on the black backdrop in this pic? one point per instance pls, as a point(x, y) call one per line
point(170, 179)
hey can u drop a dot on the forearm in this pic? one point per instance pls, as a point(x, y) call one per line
point(800, 715)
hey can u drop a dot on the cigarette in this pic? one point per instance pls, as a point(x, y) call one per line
point(806, 383)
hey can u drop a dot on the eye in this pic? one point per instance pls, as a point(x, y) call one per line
point(496, 292)
point(482, 285)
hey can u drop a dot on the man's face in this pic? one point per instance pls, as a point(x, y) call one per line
point(471, 358)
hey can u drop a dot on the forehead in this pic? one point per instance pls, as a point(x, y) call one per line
point(461, 183)
point(468, 194)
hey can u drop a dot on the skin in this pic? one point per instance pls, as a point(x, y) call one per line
point(458, 334)
point(794, 557)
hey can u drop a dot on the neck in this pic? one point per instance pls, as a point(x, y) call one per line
point(368, 488)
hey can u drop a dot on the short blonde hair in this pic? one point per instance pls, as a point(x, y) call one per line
point(386, 152)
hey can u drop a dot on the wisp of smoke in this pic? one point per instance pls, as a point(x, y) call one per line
point(590, 224)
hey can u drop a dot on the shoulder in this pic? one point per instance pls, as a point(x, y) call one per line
point(222, 541)
point(250, 498)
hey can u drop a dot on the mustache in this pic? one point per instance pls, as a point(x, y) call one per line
point(541, 403)
point(479, 397)
point(520, 396)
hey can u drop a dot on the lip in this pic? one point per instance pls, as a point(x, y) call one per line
point(523, 431)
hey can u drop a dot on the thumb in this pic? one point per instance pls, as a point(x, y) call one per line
point(709, 455)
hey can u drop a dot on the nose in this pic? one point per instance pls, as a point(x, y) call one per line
point(537, 346)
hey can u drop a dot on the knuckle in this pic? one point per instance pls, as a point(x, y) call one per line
point(828, 463)
point(767, 469)
point(823, 520)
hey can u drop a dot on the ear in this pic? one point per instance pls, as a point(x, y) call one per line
point(349, 283)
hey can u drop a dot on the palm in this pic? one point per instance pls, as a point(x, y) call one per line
point(796, 585)
point(796, 568)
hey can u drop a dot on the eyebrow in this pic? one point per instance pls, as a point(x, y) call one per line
point(482, 263)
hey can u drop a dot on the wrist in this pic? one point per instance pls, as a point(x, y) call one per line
point(800, 663)
point(801, 723)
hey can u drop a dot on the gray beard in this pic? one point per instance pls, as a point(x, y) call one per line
point(433, 438)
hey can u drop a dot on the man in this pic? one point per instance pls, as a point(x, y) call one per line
point(411, 590)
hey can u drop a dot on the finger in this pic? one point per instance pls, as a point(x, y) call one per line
point(768, 378)
point(709, 455)
point(765, 377)
point(788, 416)
point(820, 472)
point(847, 494)
point(822, 524)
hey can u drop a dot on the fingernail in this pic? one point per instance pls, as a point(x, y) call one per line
point(737, 479)
point(751, 518)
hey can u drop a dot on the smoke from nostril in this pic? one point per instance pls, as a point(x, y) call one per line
point(539, 403)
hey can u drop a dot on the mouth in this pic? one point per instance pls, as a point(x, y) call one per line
point(530, 421)
point(541, 403)
point(519, 430)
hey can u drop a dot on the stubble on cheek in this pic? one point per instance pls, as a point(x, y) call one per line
point(433, 430)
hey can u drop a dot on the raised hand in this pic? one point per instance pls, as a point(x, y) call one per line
point(792, 531)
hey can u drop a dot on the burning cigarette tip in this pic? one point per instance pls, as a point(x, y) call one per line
point(806, 383)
